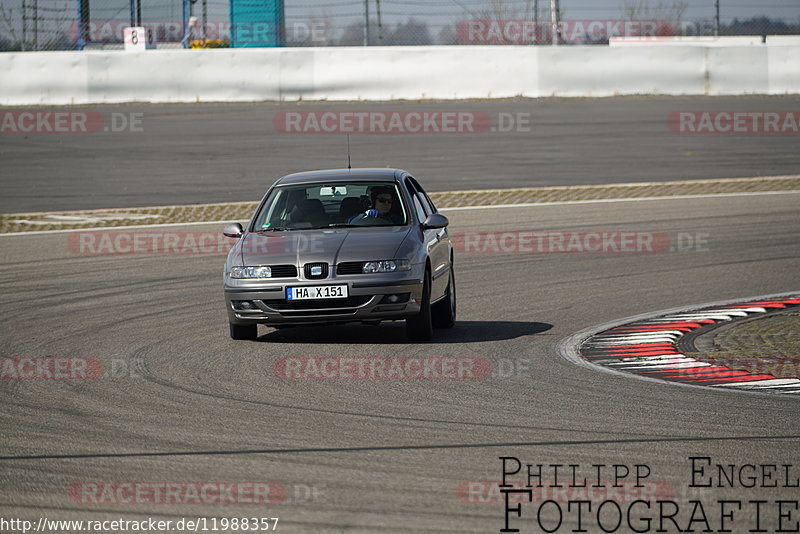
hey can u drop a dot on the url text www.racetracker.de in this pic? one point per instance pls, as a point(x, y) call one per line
point(630, 497)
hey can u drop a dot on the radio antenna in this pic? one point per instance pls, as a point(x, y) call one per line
point(348, 152)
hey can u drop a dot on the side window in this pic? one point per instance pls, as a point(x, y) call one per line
point(427, 202)
point(430, 202)
point(421, 215)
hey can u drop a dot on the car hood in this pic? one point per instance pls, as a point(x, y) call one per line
point(334, 245)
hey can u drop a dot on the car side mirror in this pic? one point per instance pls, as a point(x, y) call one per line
point(233, 230)
point(434, 221)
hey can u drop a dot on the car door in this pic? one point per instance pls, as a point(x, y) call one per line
point(437, 240)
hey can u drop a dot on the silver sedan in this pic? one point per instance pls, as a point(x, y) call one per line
point(336, 246)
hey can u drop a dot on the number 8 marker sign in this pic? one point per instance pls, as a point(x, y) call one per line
point(138, 38)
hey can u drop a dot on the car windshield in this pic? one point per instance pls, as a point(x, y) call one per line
point(332, 205)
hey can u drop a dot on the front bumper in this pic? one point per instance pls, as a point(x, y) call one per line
point(368, 301)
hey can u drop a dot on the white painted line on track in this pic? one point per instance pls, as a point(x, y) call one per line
point(706, 315)
point(659, 360)
point(601, 343)
point(607, 200)
point(658, 332)
point(746, 310)
point(113, 228)
point(634, 360)
point(677, 363)
point(786, 383)
point(761, 383)
point(690, 318)
point(637, 337)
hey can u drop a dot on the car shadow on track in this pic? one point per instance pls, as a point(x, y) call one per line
point(395, 333)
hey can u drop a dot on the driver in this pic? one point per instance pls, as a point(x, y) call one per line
point(382, 201)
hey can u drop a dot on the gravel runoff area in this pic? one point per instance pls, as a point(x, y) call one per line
point(769, 345)
point(237, 211)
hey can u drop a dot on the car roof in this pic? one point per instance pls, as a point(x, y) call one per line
point(342, 175)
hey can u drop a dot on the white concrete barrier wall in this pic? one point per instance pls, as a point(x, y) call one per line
point(605, 71)
point(783, 66)
point(386, 73)
point(725, 40)
point(738, 70)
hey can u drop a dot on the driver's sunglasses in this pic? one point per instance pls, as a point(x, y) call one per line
point(388, 200)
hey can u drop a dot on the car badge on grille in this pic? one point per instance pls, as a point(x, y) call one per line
point(316, 270)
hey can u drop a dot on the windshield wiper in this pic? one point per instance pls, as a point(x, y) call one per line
point(273, 229)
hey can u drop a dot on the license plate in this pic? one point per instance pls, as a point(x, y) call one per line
point(316, 292)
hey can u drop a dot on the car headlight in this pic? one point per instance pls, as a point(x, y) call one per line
point(258, 271)
point(386, 266)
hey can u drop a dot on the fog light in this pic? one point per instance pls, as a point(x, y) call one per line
point(394, 299)
point(244, 305)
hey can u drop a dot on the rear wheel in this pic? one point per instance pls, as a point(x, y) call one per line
point(420, 327)
point(444, 311)
point(244, 331)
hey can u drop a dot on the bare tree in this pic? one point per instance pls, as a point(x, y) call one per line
point(11, 39)
point(669, 11)
point(412, 32)
point(447, 36)
point(499, 10)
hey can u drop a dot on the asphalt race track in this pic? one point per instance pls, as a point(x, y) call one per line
point(187, 406)
point(188, 154)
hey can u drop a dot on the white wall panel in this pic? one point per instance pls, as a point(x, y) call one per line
point(737, 70)
point(603, 71)
point(50, 78)
point(386, 73)
point(783, 70)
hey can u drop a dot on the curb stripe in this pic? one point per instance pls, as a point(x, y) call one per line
point(647, 348)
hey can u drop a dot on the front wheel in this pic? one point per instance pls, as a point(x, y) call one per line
point(420, 327)
point(444, 311)
point(247, 332)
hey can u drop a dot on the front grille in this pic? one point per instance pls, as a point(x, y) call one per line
point(350, 267)
point(289, 305)
point(283, 271)
point(320, 266)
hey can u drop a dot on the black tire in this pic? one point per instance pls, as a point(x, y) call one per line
point(247, 332)
point(444, 311)
point(420, 327)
